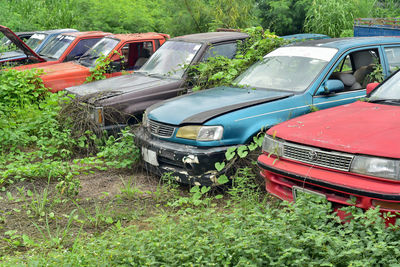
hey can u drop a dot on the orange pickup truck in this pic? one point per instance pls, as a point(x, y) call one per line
point(135, 49)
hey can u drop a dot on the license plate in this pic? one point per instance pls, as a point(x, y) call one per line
point(149, 156)
point(297, 191)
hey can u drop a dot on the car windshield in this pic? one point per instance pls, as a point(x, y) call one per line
point(103, 47)
point(56, 47)
point(287, 68)
point(170, 59)
point(36, 40)
point(388, 90)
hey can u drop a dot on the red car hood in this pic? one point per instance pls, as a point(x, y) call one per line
point(63, 69)
point(359, 128)
point(19, 43)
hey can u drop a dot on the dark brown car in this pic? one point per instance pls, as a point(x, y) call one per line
point(120, 101)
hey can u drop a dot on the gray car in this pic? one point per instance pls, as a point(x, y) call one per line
point(117, 102)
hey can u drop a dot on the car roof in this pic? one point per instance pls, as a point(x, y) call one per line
point(211, 37)
point(349, 42)
point(57, 31)
point(89, 33)
point(139, 36)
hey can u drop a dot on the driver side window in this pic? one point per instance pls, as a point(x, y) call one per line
point(356, 68)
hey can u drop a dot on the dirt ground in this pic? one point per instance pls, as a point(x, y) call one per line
point(100, 203)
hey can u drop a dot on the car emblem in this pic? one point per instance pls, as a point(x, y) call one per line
point(312, 155)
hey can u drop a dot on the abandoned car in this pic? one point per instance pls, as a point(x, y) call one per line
point(116, 102)
point(187, 135)
point(348, 154)
point(134, 47)
point(36, 42)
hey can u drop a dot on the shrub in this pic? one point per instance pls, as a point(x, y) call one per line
point(221, 71)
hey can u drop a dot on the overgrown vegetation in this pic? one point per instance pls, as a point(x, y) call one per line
point(284, 17)
point(37, 144)
point(219, 71)
point(211, 231)
point(49, 217)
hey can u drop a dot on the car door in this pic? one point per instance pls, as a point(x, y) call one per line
point(347, 80)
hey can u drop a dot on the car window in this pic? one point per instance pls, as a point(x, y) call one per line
point(36, 40)
point(226, 50)
point(393, 57)
point(81, 48)
point(355, 69)
point(345, 65)
point(136, 54)
point(290, 69)
point(171, 59)
point(54, 49)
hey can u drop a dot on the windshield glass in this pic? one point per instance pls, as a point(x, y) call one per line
point(36, 40)
point(287, 68)
point(4, 40)
point(56, 47)
point(170, 58)
point(103, 47)
point(388, 90)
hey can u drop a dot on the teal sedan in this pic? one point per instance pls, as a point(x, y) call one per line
point(187, 135)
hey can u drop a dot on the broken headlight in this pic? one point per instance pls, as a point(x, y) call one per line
point(96, 114)
point(200, 133)
point(272, 146)
point(379, 167)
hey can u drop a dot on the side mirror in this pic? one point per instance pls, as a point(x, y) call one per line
point(331, 86)
point(115, 66)
point(371, 87)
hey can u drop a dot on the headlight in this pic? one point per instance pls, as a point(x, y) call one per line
point(272, 146)
point(379, 167)
point(200, 133)
point(97, 115)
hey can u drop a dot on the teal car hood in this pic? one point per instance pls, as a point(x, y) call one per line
point(199, 107)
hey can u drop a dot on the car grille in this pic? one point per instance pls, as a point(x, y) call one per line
point(333, 160)
point(160, 129)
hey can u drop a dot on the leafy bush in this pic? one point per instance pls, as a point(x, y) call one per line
point(221, 71)
point(37, 143)
point(283, 16)
point(121, 152)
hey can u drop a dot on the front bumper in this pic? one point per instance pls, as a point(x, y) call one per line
point(340, 188)
point(187, 164)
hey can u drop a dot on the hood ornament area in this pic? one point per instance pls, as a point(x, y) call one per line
point(312, 155)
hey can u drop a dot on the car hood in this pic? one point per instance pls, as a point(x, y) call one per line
point(199, 107)
point(357, 128)
point(64, 69)
point(11, 55)
point(19, 43)
point(118, 85)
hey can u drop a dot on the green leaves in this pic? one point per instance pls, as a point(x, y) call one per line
point(230, 153)
point(219, 166)
point(221, 71)
point(223, 179)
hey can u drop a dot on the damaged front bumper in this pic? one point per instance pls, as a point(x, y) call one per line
point(187, 164)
